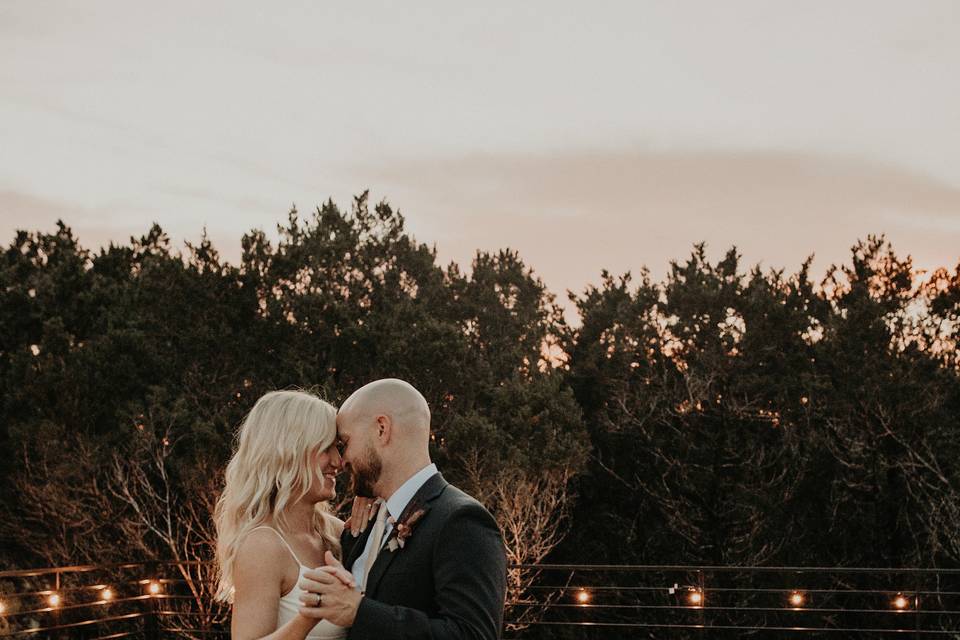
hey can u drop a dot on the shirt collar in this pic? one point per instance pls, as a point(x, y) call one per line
point(402, 496)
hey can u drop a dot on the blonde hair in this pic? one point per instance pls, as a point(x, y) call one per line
point(270, 470)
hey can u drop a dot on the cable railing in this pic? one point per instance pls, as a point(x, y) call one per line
point(678, 601)
point(149, 600)
point(155, 600)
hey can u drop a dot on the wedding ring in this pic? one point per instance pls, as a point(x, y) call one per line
point(319, 600)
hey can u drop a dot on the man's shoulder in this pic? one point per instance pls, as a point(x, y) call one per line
point(454, 501)
point(464, 525)
point(454, 496)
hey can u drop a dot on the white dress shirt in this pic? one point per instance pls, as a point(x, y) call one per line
point(395, 506)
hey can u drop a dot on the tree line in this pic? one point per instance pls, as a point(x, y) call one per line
point(723, 415)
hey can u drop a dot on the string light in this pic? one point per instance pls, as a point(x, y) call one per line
point(153, 588)
point(900, 602)
point(3, 607)
point(106, 594)
point(797, 599)
point(54, 600)
point(583, 596)
point(695, 597)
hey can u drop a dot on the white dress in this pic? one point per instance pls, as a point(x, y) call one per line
point(290, 604)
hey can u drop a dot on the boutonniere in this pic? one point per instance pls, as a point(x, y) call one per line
point(403, 528)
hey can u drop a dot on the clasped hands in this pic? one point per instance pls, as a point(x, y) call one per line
point(331, 593)
point(331, 590)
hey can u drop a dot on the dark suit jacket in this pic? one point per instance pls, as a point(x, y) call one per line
point(447, 581)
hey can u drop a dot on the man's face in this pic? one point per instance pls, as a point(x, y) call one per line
point(359, 456)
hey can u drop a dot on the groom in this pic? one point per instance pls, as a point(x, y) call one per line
point(433, 565)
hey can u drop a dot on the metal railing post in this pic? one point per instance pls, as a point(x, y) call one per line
point(55, 613)
point(916, 607)
point(151, 626)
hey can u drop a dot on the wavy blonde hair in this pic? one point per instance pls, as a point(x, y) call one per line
point(270, 470)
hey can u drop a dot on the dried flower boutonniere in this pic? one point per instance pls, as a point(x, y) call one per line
point(404, 528)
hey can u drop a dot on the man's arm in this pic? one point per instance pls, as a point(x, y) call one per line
point(470, 569)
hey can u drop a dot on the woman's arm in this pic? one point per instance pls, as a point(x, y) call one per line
point(259, 570)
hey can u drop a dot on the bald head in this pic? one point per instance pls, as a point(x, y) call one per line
point(400, 401)
point(385, 431)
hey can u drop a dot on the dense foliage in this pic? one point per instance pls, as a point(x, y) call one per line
point(758, 419)
point(720, 416)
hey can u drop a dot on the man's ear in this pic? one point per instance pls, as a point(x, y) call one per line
point(384, 429)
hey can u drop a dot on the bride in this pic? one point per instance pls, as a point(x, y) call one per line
point(273, 518)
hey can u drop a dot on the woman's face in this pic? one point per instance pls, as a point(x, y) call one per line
point(327, 465)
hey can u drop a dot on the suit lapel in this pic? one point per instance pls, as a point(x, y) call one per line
point(353, 547)
point(422, 498)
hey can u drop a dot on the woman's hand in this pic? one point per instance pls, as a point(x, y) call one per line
point(361, 514)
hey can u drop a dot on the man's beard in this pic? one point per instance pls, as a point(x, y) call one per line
point(365, 474)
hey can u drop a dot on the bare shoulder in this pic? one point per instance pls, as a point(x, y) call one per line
point(261, 553)
point(259, 583)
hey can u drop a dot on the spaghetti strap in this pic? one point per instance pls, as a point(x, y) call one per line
point(285, 543)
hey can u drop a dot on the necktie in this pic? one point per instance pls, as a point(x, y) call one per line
point(377, 540)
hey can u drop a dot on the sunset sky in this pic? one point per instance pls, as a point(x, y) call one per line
point(585, 135)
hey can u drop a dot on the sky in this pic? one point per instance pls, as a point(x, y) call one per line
point(587, 136)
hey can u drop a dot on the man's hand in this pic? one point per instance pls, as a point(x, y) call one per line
point(361, 514)
point(331, 593)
